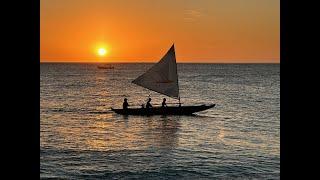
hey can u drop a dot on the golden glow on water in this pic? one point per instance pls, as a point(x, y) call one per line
point(97, 144)
point(100, 129)
point(104, 134)
point(221, 135)
point(77, 126)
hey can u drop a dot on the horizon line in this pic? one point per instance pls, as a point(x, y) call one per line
point(148, 62)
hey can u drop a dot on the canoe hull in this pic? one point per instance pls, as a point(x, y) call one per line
point(183, 110)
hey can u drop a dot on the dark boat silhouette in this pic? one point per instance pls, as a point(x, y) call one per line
point(170, 110)
point(105, 67)
point(163, 78)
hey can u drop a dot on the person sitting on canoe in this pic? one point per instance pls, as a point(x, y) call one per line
point(164, 103)
point(149, 104)
point(125, 104)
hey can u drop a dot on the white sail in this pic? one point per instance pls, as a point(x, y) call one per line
point(162, 77)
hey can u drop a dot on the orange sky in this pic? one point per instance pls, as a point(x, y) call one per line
point(223, 31)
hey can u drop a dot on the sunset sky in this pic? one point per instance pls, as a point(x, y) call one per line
point(214, 31)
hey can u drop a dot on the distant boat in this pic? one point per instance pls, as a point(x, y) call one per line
point(163, 78)
point(105, 67)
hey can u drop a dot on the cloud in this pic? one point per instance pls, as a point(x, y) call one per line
point(191, 15)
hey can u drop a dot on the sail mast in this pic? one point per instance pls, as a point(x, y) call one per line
point(176, 72)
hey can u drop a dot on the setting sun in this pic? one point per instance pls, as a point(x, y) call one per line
point(102, 51)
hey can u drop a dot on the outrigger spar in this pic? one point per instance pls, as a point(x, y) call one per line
point(162, 78)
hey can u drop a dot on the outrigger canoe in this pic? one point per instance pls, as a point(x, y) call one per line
point(163, 78)
point(173, 110)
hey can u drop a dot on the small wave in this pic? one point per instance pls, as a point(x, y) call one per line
point(204, 116)
point(68, 110)
point(100, 112)
point(61, 110)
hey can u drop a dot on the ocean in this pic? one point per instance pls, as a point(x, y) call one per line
point(81, 138)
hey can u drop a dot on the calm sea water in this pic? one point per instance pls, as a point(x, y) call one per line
point(82, 139)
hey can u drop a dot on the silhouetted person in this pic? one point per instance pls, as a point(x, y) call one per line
point(125, 104)
point(164, 103)
point(149, 104)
